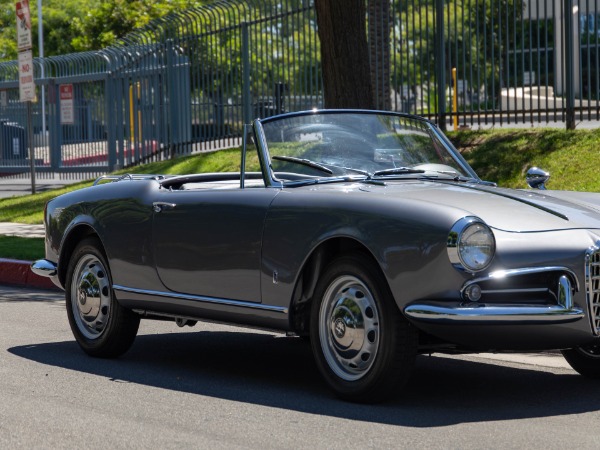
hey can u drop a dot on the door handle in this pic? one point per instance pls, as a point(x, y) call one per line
point(161, 206)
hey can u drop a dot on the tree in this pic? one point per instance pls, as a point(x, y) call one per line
point(380, 22)
point(81, 25)
point(344, 54)
point(110, 20)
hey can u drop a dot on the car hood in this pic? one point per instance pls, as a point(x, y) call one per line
point(503, 209)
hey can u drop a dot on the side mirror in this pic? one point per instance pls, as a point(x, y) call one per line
point(536, 178)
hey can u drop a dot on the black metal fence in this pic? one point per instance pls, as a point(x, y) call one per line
point(187, 82)
point(498, 62)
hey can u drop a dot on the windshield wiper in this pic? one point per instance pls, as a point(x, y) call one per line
point(454, 176)
point(396, 171)
point(304, 162)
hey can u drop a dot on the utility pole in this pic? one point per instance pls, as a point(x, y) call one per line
point(26, 81)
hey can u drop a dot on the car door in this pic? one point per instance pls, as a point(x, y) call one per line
point(207, 242)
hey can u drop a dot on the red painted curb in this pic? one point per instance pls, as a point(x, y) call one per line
point(18, 273)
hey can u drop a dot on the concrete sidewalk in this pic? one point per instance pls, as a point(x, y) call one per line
point(21, 230)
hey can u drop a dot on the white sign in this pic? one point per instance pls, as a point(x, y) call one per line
point(26, 83)
point(67, 109)
point(23, 25)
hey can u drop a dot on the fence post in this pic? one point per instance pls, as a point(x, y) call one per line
point(112, 123)
point(171, 130)
point(440, 64)
point(247, 111)
point(569, 58)
point(54, 126)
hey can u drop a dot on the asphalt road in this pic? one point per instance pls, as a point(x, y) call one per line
point(214, 386)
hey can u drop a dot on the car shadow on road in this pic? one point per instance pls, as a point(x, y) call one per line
point(275, 371)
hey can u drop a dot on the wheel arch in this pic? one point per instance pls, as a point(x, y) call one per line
point(75, 235)
point(308, 277)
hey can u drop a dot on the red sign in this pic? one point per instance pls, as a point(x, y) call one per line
point(67, 110)
point(23, 25)
point(26, 83)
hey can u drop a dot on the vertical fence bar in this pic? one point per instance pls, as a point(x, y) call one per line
point(440, 66)
point(246, 74)
point(569, 75)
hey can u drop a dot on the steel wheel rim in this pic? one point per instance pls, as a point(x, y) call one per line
point(90, 296)
point(349, 330)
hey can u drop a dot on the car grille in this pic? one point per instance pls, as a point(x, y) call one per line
point(593, 289)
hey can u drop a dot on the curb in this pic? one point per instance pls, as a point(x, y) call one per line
point(18, 273)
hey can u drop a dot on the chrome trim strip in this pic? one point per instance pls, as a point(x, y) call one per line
point(493, 314)
point(44, 268)
point(264, 156)
point(565, 293)
point(202, 299)
point(499, 274)
point(513, 291)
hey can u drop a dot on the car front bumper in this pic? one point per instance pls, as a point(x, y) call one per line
point(46, 268)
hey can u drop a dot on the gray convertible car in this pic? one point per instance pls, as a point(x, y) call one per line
point(365, 232)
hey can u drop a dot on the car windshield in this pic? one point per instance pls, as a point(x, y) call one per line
point(342, 144)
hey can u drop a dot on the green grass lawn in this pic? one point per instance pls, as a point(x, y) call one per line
point(502, 156)
point(26, 249)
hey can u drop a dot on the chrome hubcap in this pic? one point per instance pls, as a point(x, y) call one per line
point(90, 296)
point(349, 328)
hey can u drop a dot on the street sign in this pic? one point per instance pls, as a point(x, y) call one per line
point(23, 25)
point(26, 83)
point(67, 110)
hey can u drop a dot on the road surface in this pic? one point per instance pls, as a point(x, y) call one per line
point(215, 386)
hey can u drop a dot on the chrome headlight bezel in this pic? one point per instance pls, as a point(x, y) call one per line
point(462, 237)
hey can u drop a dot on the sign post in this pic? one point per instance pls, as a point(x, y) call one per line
point(26, 81)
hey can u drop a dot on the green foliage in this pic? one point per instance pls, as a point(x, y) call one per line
point(25, 249)
point(108, 20)
point(81, 25)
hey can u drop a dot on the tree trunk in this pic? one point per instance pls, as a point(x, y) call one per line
point(344, 54)
point(379, 43)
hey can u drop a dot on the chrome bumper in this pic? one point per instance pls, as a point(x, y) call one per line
point(44, 268)
point(473, 312)
point(492, 314)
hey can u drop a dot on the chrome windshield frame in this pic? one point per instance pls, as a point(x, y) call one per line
point(265, 159)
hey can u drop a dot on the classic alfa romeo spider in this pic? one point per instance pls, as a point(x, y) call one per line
point(364, 232)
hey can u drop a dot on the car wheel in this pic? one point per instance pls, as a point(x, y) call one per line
point(101, 326)
point(585, 360)
point(363, 346)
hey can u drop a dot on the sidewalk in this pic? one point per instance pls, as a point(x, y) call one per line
point(18, 273)
point(21, 230)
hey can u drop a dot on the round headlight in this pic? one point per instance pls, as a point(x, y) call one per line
point(471, 244)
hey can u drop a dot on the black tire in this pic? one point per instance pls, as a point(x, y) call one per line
point(585, 360)
point(101, 326)
point(363, 346)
